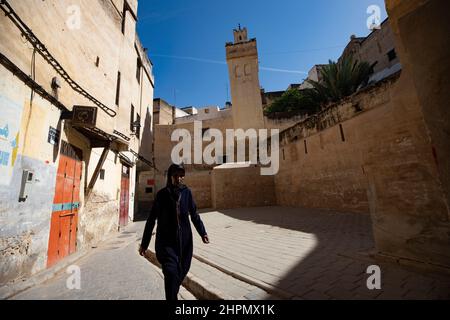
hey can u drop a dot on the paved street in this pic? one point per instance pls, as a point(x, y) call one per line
point(255, 254)
point(113, 271)
point(307, 254)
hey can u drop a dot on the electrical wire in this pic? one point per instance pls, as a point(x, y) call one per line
point(42, 50)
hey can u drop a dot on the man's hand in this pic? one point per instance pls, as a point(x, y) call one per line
point(142, 251)
point(205, 239)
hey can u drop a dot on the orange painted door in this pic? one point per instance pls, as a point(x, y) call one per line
point(124, 196)
point(66, 202)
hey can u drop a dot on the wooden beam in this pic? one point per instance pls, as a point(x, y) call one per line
point(99, 144)
point(96, 174)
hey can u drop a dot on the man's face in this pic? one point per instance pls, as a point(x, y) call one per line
point(178, 178)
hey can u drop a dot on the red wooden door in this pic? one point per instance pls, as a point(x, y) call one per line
point(124, 196)
point(65, 222)
point(66, 202)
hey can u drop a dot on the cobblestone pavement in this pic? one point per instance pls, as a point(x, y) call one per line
point(113, 271)
point(307, 254)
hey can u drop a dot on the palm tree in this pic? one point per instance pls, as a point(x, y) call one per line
point(340, 79)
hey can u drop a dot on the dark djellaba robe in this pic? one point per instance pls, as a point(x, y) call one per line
point(174, 245)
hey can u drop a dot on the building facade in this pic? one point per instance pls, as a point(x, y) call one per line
point(76, 92)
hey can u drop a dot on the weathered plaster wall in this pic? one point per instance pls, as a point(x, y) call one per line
point(99, 35)
point(25, 226)
point(100, 215)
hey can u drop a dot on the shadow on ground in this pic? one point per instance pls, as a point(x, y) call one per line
point(336, 266)
point(337, 235)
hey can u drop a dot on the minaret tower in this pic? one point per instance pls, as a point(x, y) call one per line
point(242, 59)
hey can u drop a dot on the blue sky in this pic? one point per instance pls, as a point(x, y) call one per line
point(186, 41)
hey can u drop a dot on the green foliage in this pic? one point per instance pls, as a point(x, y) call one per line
point(340, 79)
point(294, 102)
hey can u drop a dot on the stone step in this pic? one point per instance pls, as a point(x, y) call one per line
point(206, 282)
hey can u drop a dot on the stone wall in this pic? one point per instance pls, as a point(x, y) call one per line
point(282, 123)
point(240, 185)
point(199, 181)
point(370, 153)
point(320, 165)
point(421, 30)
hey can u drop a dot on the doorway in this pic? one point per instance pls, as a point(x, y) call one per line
point(124, 196)
point(66, 203)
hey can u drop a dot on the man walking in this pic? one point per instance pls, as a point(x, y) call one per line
point(174, 245)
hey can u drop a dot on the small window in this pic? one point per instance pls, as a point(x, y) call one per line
point(149, 190)
point(137, 129)
point(123, 21)
point(102, 174)
point(124, 16)
point(206, 110)
point(392, 55)
point(132, 118)
point(118, 89)
point(224, 159)
point(138, 70)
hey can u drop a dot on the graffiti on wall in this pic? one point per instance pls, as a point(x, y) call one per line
point(11, 114)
